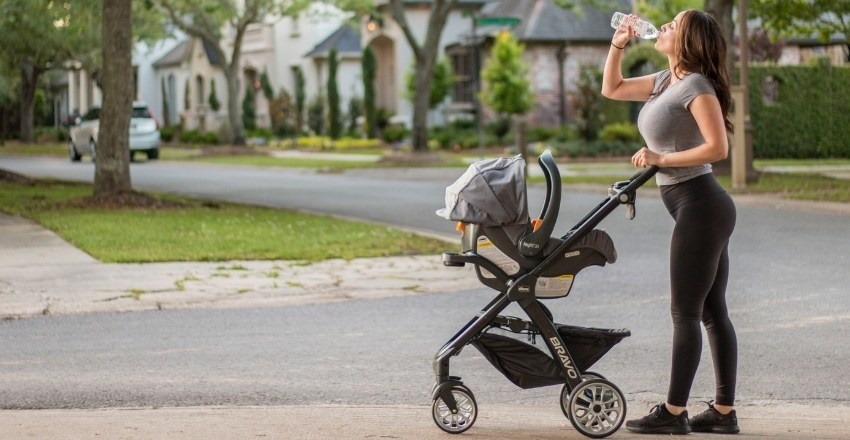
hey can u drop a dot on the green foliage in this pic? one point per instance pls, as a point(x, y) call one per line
point(249, 112)
point(395, 133)
point(300, 98)
point(316, 116)
point(167, 132)
point(369, 66)
point(620, 131)
point(166, 110)
point(213, 101)
point(266, 85)
point(441, 83)
point(787, 18)
point(660, 12)
point(588, 102)
point(807, 118)
point(355, 111)
point(596, 148)
point(505, 75)
point(334, 116)
point(282, 114)
point(197, 137)
point(500, 127)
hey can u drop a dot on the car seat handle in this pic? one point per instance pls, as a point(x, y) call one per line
point(533, 243)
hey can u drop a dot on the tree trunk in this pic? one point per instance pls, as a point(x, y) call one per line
point(231, 73)
point(425, 58)
point(721, 10)
point(29, 82)
point(422, 104)
point(112, 167)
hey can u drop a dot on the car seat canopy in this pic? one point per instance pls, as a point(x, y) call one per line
point(491, 193)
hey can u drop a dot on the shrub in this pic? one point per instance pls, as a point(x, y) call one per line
point(620, 131)
point(395, 133)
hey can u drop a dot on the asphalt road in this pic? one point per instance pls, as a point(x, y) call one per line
point(788, 298)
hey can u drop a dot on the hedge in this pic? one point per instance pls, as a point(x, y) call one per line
point(810, 115)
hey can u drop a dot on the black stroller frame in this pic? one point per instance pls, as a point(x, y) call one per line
point(587, 399)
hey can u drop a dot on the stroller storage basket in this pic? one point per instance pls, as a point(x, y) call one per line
point(526, 366)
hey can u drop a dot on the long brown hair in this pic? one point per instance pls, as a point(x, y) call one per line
point(702, 49)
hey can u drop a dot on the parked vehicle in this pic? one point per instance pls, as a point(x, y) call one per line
point(144, 133)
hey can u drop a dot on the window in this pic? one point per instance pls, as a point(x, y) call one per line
point(462, 67)
point(199, 88)
point(770, 91)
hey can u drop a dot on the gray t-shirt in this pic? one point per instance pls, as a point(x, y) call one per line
point(668, 126)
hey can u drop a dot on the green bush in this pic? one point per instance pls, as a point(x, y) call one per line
point(806, 117)
point(596, 148)
point(394, 133)
point(166, 134)
point(620, 131)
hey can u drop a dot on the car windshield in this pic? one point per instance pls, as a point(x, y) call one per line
point(140, 112)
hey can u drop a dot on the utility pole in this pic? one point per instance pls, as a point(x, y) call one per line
point(740, 97)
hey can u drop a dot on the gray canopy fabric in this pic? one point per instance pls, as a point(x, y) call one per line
point(491, 192)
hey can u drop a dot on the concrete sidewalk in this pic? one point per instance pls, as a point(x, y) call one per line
point(494, 422)
point(41, 274)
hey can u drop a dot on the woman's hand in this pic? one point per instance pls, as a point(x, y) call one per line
point(646, 157)
point(624, 33)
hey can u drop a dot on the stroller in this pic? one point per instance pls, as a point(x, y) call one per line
point(520, 259)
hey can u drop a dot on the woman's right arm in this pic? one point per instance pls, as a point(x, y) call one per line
point(613, 84)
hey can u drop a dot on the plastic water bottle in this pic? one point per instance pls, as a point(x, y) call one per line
point(642, 28)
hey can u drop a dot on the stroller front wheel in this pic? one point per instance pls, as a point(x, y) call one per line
point(597, 408)
point(456, 422)
point(565, 390)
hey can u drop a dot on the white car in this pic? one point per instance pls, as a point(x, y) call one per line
point(144, 134)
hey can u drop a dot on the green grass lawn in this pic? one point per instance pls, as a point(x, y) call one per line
point(204, 231)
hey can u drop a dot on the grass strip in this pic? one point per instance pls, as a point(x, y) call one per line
point(203, 231)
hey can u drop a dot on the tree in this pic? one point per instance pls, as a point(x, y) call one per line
point(38, 36)
point(334, 118)
point(112, 167)
point(300, 99)
point(425, 61)
point(213, 101)
point(206, 19)
point(507, 88)
point(249, 112)
point(440, 87)
point(369, 68)
point(823, 18)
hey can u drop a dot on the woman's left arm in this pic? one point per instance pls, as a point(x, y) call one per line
point(709, 117)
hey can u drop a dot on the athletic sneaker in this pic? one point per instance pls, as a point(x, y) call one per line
point(660, 421)
point(711, 420)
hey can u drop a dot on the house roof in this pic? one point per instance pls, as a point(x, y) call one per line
point(180, 53)
point(346, 40)
point(542, 20)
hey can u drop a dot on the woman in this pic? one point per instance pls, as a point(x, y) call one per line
point(685, 124)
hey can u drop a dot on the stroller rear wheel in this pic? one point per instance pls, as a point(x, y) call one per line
point(597, 408)
point(455, 422)
point(565, 390)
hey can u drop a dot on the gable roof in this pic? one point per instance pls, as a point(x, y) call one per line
point(181, 53)
point(346, 40)
point(174, 56)
point(544, 21)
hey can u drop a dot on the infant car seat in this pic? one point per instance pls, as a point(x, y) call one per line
point(489, 201)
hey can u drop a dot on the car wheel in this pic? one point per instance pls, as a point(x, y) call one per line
point(72, 152)
point(93, 149)
point(132, 156)
point(153, 153)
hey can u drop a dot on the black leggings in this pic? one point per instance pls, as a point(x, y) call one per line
point(699, 269)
